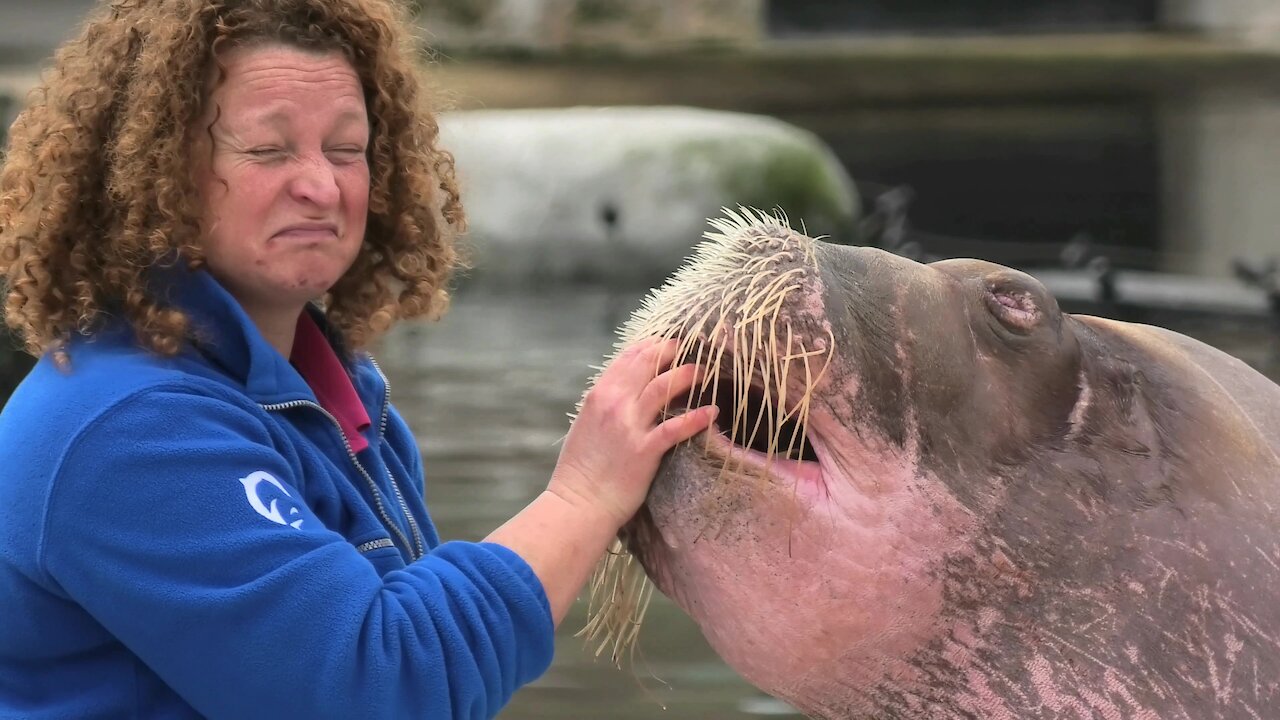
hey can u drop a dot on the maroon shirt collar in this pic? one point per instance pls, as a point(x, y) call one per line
point(318, 364)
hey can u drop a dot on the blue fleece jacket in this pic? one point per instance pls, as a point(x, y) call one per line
point(191, 536)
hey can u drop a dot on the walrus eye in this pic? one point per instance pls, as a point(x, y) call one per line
point(1015, 309)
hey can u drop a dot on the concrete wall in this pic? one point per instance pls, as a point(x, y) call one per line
point(1220, 178)
point(29, 30)
point(558, 24)
point(28, 34)
point(644, 24)
point(1255, 21)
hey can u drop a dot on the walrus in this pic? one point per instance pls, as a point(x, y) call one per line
point(932, 494)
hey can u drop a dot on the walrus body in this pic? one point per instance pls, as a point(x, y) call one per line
point(1007, 512)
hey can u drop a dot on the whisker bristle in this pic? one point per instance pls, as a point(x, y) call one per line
point(738, 282)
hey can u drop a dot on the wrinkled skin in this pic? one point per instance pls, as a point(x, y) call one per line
point(1014, 513)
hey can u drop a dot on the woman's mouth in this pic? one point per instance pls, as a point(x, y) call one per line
point(308, 232)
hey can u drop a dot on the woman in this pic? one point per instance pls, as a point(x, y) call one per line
point(208, 505)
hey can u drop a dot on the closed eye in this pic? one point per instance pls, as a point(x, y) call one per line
point(346, 154)
point(1015, 309)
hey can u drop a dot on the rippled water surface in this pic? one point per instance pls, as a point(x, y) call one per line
point(487, 390)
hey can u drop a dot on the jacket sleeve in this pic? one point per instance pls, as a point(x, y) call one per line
point(175, 523)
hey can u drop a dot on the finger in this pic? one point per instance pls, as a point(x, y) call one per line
point(665, 388)
point(663, 353)
point(636, 369)
point(673, 431)
point(635, 348)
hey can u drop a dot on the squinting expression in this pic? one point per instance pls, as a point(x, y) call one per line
point(285, 185)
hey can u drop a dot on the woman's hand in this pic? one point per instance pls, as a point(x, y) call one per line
point(614, 446)
point(606, 466)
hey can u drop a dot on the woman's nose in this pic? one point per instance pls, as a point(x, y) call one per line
point(315, 182)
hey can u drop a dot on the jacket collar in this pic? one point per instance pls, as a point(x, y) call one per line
point(225, 335)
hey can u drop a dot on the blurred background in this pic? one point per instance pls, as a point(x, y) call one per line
point(1124, 151)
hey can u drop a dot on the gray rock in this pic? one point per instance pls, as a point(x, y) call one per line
point(621, 195)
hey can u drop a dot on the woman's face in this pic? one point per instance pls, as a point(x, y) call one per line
point(285, 185)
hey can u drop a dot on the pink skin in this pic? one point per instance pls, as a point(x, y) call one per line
point(852, 542)
point(284, 179)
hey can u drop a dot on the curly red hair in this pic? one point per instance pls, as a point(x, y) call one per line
point(96, 185)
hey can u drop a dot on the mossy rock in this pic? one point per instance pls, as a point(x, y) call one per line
point(621, 195)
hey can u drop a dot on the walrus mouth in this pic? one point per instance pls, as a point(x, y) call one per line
point(758, 430)
point(733, 311)
point(753, 402)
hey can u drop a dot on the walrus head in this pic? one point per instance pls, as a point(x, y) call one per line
point(892, 506)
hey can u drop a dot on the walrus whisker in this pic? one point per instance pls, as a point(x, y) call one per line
point(794, 411)
point(740, 383)
point(801, 407)
point(748, 384)
point(784, 386)
point(767, 408)
point(617, 555)
point(627, 575)
point(741, 388)
point(672, 365)
point(759, 380)
point(828, 352)
point(694, 339)
point(755, 253)
point(727, 466)
point(636, 589)
point(784, 383)
point(779, 388)
point(707, 379)
point(804, 413)
point(596, 618)
point(771, 379)
point(771, 293)
point(719, 358)
point(766, 401)
point(768, 309)
point(799, 413)
point(773, 400)
point(803, 422)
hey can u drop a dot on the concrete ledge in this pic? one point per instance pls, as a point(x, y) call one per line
point(798, 76)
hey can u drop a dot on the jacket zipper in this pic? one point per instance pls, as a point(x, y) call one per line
point(382, 431)
point(415, 548)
point(375, 545)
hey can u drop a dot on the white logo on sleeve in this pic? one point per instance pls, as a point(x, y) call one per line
point(271, 512)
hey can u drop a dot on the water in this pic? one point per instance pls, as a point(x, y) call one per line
point(487, 391)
